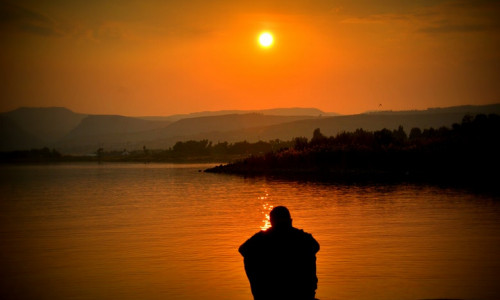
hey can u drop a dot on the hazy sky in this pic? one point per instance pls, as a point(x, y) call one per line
point(148, 57)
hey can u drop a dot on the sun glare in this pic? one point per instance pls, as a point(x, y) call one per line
point(266, 39)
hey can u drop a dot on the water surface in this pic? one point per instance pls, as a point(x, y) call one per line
point(159, 231)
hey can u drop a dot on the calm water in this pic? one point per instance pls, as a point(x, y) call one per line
point(171, 232)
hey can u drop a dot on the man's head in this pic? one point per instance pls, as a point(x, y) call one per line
point(280, 217)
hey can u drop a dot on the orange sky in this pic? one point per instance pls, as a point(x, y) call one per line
point(153, 57)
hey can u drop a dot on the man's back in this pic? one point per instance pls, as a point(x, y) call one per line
point(281, 263)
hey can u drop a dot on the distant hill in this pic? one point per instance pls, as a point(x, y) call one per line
point(225, 123)
point(462, 109)
point(118, 132)
point(434, 117)
point(330, 126)
point(295, 111)
point(47, 124)
point(13, 137)
point(112, 124)
point(375, 121)
point(74, 133)
point(96, 131)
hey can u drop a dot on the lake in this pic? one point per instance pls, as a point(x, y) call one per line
point(165, 231)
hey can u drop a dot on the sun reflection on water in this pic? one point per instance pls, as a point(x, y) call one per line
point(266, 210)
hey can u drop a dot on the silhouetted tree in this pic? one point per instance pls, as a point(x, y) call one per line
point(415, 133)
point(317, 137)
point(240, 148)
point(383, 137)
point(192, 147)
point(399, 136)
point(220, 148)
point(300, 143)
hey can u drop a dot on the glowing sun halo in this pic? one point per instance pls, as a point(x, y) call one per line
point(266, 39)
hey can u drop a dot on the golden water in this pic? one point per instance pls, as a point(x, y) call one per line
point(158, 231)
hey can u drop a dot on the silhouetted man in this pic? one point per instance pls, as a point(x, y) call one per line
point(281, 262)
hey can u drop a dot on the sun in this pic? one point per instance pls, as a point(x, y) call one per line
point(266, 39)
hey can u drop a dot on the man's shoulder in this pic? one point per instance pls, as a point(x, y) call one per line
point(301, 232)
point(307, 238)
point(252, 243)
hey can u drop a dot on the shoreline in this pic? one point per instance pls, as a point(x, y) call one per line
point(449, 178)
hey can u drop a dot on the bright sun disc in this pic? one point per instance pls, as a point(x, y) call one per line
point(266, 39)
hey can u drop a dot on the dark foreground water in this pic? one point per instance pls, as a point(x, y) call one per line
point(170, 232)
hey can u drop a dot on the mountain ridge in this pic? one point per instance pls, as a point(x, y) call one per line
point(292, 111)
point(48, 124)
point(115, 132)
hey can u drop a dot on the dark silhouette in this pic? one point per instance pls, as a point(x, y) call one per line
point(466, 154)
point(281, 262)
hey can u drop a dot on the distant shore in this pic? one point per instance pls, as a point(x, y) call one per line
point(445, 178)
point(191, 151)
point(466, 154)
point(7, 159)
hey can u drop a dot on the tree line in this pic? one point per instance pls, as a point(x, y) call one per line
point(34, 155)
point(468, 150)
point(471, 146)
point(182, 151)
